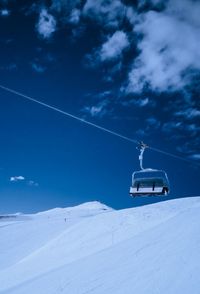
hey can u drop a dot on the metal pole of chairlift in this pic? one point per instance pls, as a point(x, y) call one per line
point(141, 158)
point(142, 146)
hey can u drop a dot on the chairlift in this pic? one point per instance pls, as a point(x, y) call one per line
point(148, 182)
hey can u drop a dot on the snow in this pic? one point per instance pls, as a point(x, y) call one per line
point(92, 248)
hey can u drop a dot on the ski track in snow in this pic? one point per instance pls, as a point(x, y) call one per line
point(92, 248)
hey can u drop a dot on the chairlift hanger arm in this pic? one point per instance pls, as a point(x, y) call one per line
point(142, 146)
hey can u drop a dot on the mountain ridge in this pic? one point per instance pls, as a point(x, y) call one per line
point(158, 239)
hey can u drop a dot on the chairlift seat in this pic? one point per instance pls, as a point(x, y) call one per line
point(149, 182)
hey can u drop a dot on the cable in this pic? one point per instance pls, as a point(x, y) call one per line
point(69, 114)
point(93, 125)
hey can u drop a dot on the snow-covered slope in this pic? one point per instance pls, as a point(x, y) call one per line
point(91, 248)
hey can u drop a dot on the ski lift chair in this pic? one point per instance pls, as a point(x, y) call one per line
point(149, 182)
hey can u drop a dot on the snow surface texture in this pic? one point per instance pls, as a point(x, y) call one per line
point(92, 248)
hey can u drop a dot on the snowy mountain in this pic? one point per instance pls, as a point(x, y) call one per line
point(92, 248)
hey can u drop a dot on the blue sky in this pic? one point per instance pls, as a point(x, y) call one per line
point(130, 66)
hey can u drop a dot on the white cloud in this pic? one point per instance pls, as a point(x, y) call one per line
point(195, 156)
point(168, 49)
point(4, 12)
point(17, 178)
point(188, 113)
point(142, 102)
point(111, 50)
point(114, 46)
point(38, 67)
point(98, 110)
point(75, 16)
point(104, 94)
point(107, 12)
point(139, 102)
point(153, 122)
point(192, 128)
point(69, 11)
point(131, 15)
point(141, 133)
point(169, 127)
point(180, 127)
point(189, 147)
point(32, 183)
point(46, 25)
